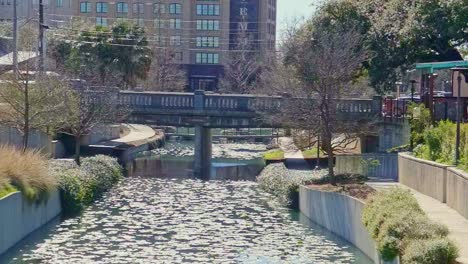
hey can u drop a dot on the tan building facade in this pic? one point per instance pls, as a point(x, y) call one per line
point(201, 32)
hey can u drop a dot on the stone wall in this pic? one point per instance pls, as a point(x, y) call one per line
point(387, 170)
point(426, 177)
point(339, 214)
point(19, 217)
point(457, 191)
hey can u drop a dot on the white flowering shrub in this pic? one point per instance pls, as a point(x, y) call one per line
point(283, 183)
point(81, 185)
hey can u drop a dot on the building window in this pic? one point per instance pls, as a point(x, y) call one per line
point(175, 23)
point(207, 58)
point(158, 23)
point(208, 42)
point(122, 8)
point(175, 41)
point(207, 24)
point(159, 8)
point(85, 7)
point(138, 8)
point(58, 3)
point(101, 7)
point(101, 21)
point(178, 56)
point(207, 10)
point(175, 9)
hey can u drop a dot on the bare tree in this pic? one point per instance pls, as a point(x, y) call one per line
point(242, 63)
point(30, 100)
point(319, 65)
point(86, 109)
point(165, 74)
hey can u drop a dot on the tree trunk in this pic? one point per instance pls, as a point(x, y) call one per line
point(327, 143)
point(77, 150)
point(26, 117)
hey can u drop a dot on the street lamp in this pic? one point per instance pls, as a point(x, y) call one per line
point(461, 71)
point(413, 82)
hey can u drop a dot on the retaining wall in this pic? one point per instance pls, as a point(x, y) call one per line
point(341, 215)
point(19, 217)
point(386, 171)
point(427, 177)
point(457, 191)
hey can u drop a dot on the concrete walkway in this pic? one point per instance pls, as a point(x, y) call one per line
point(294, 158)
point(440, 212)
point(138, 134)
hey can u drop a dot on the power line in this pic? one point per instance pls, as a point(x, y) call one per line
point(163, 47)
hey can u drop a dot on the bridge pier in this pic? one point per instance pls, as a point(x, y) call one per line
point(202, 166)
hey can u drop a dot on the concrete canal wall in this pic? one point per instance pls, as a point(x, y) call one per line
point(19, 217)
point(341, 215)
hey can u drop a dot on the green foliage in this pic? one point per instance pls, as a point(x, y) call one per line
point(430, 251)
point(81, 185)
point(118, 55)
point(395, 220)
point(438, 144)
point(6, 189)
point(400, 33)
point(274, 155)
point(420, 121)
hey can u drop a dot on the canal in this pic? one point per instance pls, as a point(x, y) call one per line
point(175, 220)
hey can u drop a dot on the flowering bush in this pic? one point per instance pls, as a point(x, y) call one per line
point(81, 185)
point(277, 180)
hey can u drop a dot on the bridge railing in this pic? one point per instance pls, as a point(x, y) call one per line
point(233, 103)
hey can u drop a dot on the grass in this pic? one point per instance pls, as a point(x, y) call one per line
point(25, 171)
point(276, 154)
point(6, 189)
point(312, 153)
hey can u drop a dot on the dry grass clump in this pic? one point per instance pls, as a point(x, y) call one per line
point(27, 171)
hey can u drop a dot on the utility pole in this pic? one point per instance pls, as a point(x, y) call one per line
point(15, 38)
point(41, 36)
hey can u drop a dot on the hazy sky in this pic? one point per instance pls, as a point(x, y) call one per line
point(290, 9)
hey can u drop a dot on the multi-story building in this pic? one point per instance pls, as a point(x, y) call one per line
point(201, 32)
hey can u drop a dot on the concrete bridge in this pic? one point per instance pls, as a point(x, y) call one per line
point(208, 110)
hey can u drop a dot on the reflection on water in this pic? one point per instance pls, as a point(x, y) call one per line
point(149, 220)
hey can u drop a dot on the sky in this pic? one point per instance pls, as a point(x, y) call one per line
point(291, 9)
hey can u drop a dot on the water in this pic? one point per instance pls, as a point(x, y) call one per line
point(166, 220)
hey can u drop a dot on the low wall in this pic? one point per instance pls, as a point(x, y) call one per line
point(457, 191)
point(386, 171)
point(101, 133)
point(427, 177)
point(19, 217)
point(341, 215)
point(37, 139)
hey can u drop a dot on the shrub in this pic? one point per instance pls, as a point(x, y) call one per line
point(395, 220)
point(274, 155)
point(276, 179)
point(27, 172)
point(5, 187)
point(430, 251)
point(81, 185)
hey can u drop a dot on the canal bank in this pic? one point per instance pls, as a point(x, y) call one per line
point(172, 220)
